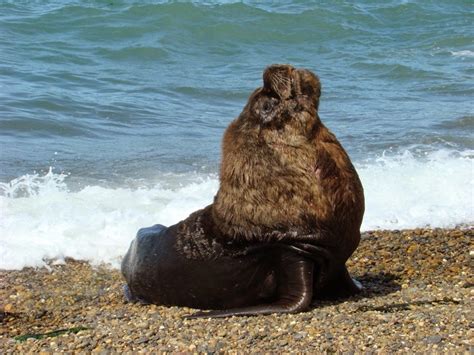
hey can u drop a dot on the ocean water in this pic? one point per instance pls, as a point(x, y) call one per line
point(112, 112)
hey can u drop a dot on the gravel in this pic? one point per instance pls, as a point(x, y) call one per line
point(417, 298)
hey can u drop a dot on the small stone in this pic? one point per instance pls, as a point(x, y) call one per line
point(433, 339)
point(300, 335)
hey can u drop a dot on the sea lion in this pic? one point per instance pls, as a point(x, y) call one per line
point(283, 223)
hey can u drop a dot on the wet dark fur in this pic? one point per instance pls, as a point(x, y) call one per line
point(282, 225)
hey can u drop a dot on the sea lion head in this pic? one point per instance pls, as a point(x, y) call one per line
point(289, 98)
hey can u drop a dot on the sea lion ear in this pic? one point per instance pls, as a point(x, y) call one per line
point(309, 85)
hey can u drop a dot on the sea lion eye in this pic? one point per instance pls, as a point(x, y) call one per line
point(267, 106)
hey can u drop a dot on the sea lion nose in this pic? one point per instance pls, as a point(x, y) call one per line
point(278, 78)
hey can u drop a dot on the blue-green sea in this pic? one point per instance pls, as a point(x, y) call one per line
point(112, 112)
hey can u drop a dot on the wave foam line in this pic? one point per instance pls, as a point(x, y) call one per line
point(41, 219)
point(95, 224)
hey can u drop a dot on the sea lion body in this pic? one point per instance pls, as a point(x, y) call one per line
point(159, 270)
point(187, 265)
point(283, 223)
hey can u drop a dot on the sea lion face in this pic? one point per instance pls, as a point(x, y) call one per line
point(288, 101)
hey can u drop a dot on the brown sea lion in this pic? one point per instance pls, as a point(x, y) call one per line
point(283, 223)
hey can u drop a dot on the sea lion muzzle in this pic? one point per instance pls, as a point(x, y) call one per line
point(279, 79)
point(287, 82)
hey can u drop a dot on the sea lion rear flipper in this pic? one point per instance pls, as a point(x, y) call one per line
point(295, 292)
point(131, 298)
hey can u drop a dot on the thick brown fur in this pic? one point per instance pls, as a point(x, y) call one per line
point(283, 170)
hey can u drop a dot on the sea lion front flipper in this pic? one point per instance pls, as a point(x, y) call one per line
point(295, 291)
point(333, 279)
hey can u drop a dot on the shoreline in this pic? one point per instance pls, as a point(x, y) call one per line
point(418, 292)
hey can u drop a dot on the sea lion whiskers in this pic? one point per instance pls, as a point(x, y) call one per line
point(278, 78)
point(280, 82)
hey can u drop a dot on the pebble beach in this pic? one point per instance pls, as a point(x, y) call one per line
point(417, 297)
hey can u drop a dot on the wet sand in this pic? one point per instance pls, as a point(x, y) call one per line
point(418, 297)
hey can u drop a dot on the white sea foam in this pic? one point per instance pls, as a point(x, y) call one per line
point(402, 191)
point(465, 53)
point(94, 224)
point(41, 219)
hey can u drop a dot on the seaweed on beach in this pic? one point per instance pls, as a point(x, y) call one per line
point(52, 334)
